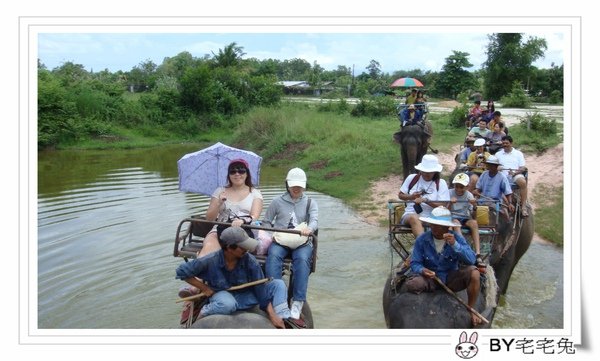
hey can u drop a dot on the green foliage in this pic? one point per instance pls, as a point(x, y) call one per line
point(537, 133)
point(458, 115)
point(375, 107)
point(517, 98)
point(196, 94)
point(556, 97)
point(340, 153)
point(549, 213)
point(509, 59)
point(540, 124)
point(453, 78)
point(340, 106)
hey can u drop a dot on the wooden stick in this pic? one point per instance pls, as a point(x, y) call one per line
point(234, 288)
point(439, 281)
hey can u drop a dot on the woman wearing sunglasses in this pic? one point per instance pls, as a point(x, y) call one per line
point(238, 202)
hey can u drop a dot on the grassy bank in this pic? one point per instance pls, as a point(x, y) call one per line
point(549, 213)
point(341, 153)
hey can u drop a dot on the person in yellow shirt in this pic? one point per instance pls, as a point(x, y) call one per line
point(475, 163)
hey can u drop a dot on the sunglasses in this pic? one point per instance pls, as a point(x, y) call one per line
point(237, 170)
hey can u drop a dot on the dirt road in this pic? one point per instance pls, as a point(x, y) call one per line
point(546, 168)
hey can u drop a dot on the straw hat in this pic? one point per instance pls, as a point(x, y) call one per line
point(440, 216)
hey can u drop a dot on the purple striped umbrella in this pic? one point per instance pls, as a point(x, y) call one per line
point(205, 170)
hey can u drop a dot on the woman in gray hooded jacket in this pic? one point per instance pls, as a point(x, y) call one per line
point(287, 211)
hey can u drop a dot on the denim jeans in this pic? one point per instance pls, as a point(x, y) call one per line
point(226, 303)
point(301, 261)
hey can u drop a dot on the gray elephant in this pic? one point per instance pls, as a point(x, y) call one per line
point(253, 318)
point(414, 141)
point(439, 309)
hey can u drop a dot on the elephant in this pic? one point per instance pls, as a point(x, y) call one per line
point(440, 309)
point(253, 318)
point(414, 141)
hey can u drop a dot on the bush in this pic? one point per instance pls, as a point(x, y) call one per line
point(536, 132)
point(556, 97)
point(538, 123)
point(375, 107)
point(517, 98)
point(458, 116)
point(338, 107)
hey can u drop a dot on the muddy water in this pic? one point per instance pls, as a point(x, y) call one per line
point(106, 224)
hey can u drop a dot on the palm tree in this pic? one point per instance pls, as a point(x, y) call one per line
point(229, 56)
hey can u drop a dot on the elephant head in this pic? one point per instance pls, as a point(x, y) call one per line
point(514, 239)
point(414, 141)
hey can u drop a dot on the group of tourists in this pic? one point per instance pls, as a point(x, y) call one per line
point(441, 253)
point(486, 178)
point(226, 259)
point(414, 108)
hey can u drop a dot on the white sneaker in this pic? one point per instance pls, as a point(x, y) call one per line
point(296, 309)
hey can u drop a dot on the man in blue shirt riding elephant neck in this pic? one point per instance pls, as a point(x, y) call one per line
point(437, 253)
point(230, 266)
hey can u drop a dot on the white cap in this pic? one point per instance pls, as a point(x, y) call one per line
point(296, 178)
point(479, 142)
point(461, 178)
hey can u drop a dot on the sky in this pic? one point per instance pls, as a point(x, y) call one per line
point(393, 51)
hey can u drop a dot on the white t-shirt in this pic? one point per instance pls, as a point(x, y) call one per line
point(240, 209)
point(512, 160)
point(433, 194)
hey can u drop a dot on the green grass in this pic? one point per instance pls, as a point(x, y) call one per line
point(340, 153)
point(549, 213)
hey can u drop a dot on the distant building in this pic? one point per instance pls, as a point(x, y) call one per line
point(301, 87)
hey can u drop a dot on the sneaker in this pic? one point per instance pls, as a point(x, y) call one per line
point(187, 291)
point(294, 323)
point(296, 309)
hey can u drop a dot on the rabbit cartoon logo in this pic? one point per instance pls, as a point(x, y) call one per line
point(466, 349)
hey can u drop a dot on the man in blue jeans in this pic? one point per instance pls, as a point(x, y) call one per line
point(231, 266)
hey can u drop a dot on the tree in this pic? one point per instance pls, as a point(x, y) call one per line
point(143, 76)
point(177, 65)
point(71, 73)
point(230, 55)
point(509, 59)
point(315, 76)
point(295, 69)
point(374, 69)
point(454, 79)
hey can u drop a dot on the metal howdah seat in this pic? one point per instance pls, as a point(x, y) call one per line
point(191, 232)
point(402, 240)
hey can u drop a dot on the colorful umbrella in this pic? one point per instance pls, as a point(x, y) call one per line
point(205, 170)
point(406, 82)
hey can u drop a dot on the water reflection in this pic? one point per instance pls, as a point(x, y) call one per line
point(106, 224)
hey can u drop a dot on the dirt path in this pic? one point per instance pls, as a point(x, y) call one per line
point(546, 168)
